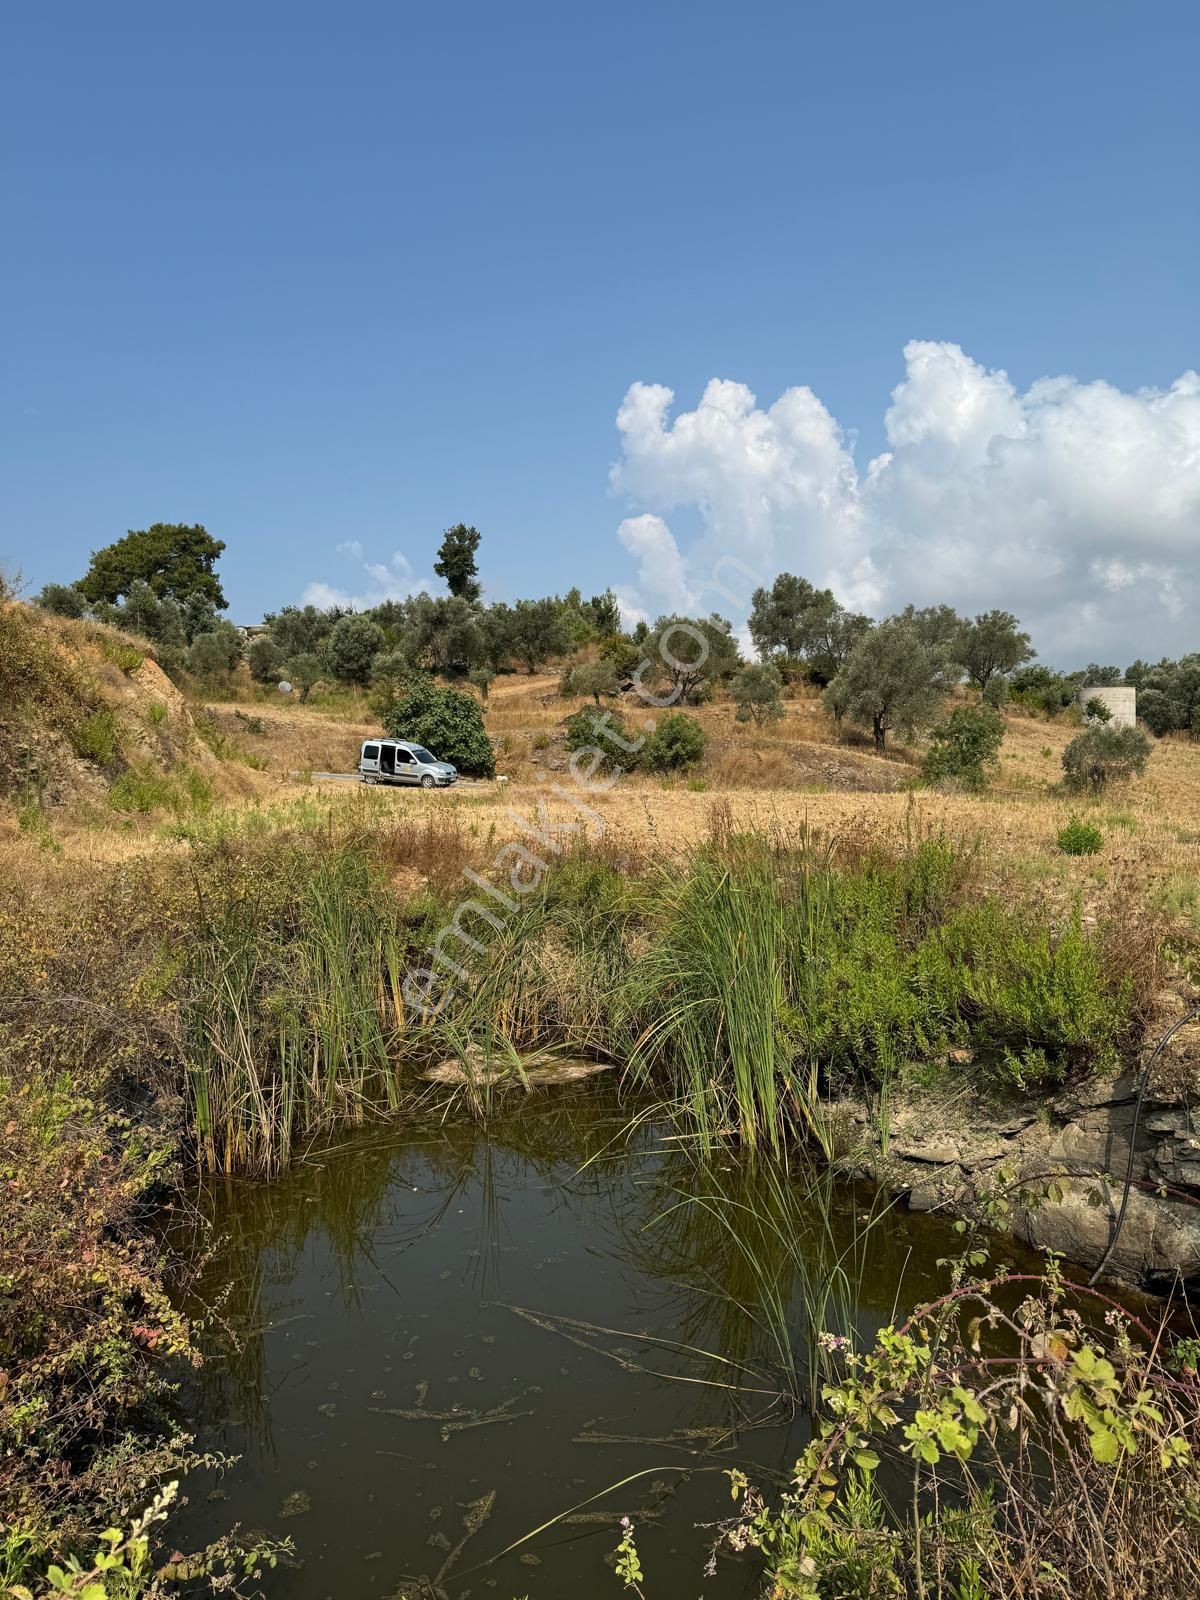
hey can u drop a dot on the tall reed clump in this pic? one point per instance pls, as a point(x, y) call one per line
point(717, 991)
point(286, 1016)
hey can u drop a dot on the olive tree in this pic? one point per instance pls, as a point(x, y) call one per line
point(993, 644)
point(352, 648)
point(891, 680)
point(687, 654)
point(756, 693)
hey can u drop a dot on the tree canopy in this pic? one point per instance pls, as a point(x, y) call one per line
point(456, 561)
point(993, 644)
point(892, 679)
point(177, 560)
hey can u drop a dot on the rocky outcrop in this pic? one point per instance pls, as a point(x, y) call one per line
point(1061, 1167)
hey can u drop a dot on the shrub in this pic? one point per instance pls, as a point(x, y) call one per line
point(448, 721)
point(995, 693)
point(216, 653)
point(264, 658)
point(756, 694)
point(352, 648)
point(97, 737)
point(63, 599)
point(1102, 755)
point(1096, 710)
point(1079, 838)
point(156, 714)
point(127, 657)
point(966, 743)
point(141, 791)
point(592, 677)
point(303, 672)
point(676, 743)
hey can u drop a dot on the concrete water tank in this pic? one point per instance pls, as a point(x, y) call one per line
point(1120, 700)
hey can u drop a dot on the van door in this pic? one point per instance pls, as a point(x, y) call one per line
point(406, 767)
point(369, 760)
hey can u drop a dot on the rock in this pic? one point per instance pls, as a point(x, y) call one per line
point(934, 1152)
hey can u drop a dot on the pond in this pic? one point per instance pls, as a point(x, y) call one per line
point(431, 1343)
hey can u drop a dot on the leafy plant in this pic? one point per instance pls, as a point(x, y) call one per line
point(97, 737)
point(448, 721)
point(1079, 838)
point(964, 745)
point(1101, 755)
point(678, 742)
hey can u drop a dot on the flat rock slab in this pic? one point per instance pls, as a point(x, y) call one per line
point(534, 1072)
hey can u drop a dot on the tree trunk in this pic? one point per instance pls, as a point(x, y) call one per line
point(879, 728)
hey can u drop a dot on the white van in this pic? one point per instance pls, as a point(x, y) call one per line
point(396, 761)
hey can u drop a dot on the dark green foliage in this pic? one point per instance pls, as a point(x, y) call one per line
point(352, 647)
point(1097, 711)
point(605, 614)
point(1037, 688)
point(177, 560)
point(993, 644)
point(1102, 755)
point(265, 659)
point(214, 654)
point(796, 620)
point(756, 693)
point(893, 679)
point(1168, 695)
point(686, 655)
point(64, 599)
point(456, 562)
point(533, 631)
point(482, 678)
point(964, 745)
point(446, 721)
point(301, 630)
point(1079, 838)
point(678, 742)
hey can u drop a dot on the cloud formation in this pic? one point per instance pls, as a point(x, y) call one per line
point(381, 580)
point(1074, 504)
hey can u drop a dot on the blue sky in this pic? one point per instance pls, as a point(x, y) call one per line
point(314, 275)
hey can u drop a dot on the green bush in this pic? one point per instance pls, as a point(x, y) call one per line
point(125, 656)
point(963, 746)
point(142, 791)
point(448, 721)
point(1102, 754)
point(1079, 838)
point(97, 737)
point(677, 742)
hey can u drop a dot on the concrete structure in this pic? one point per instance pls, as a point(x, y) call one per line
point(1120, 700)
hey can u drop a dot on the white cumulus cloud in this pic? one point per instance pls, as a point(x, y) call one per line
point(381, 580)
point(1075, 504)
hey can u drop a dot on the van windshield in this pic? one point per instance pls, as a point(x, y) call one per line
point(420, 753)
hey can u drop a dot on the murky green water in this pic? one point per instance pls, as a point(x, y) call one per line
point(448, 1338)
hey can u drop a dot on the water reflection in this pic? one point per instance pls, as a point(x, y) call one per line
point(427, 1346)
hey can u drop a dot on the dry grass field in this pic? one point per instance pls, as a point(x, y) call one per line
point(796, 773)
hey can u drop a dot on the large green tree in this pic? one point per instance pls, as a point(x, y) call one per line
point(352, 647)
point(792, 618)
point(688, 654)
point(993, 644)
point(534, 632)
point(892, 679)
point(176, 559)
point(456, 561)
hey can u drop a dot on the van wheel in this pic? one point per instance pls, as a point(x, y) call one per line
point(428, 783)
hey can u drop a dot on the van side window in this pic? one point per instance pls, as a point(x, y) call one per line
point(402, 755)
point(370, 752)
